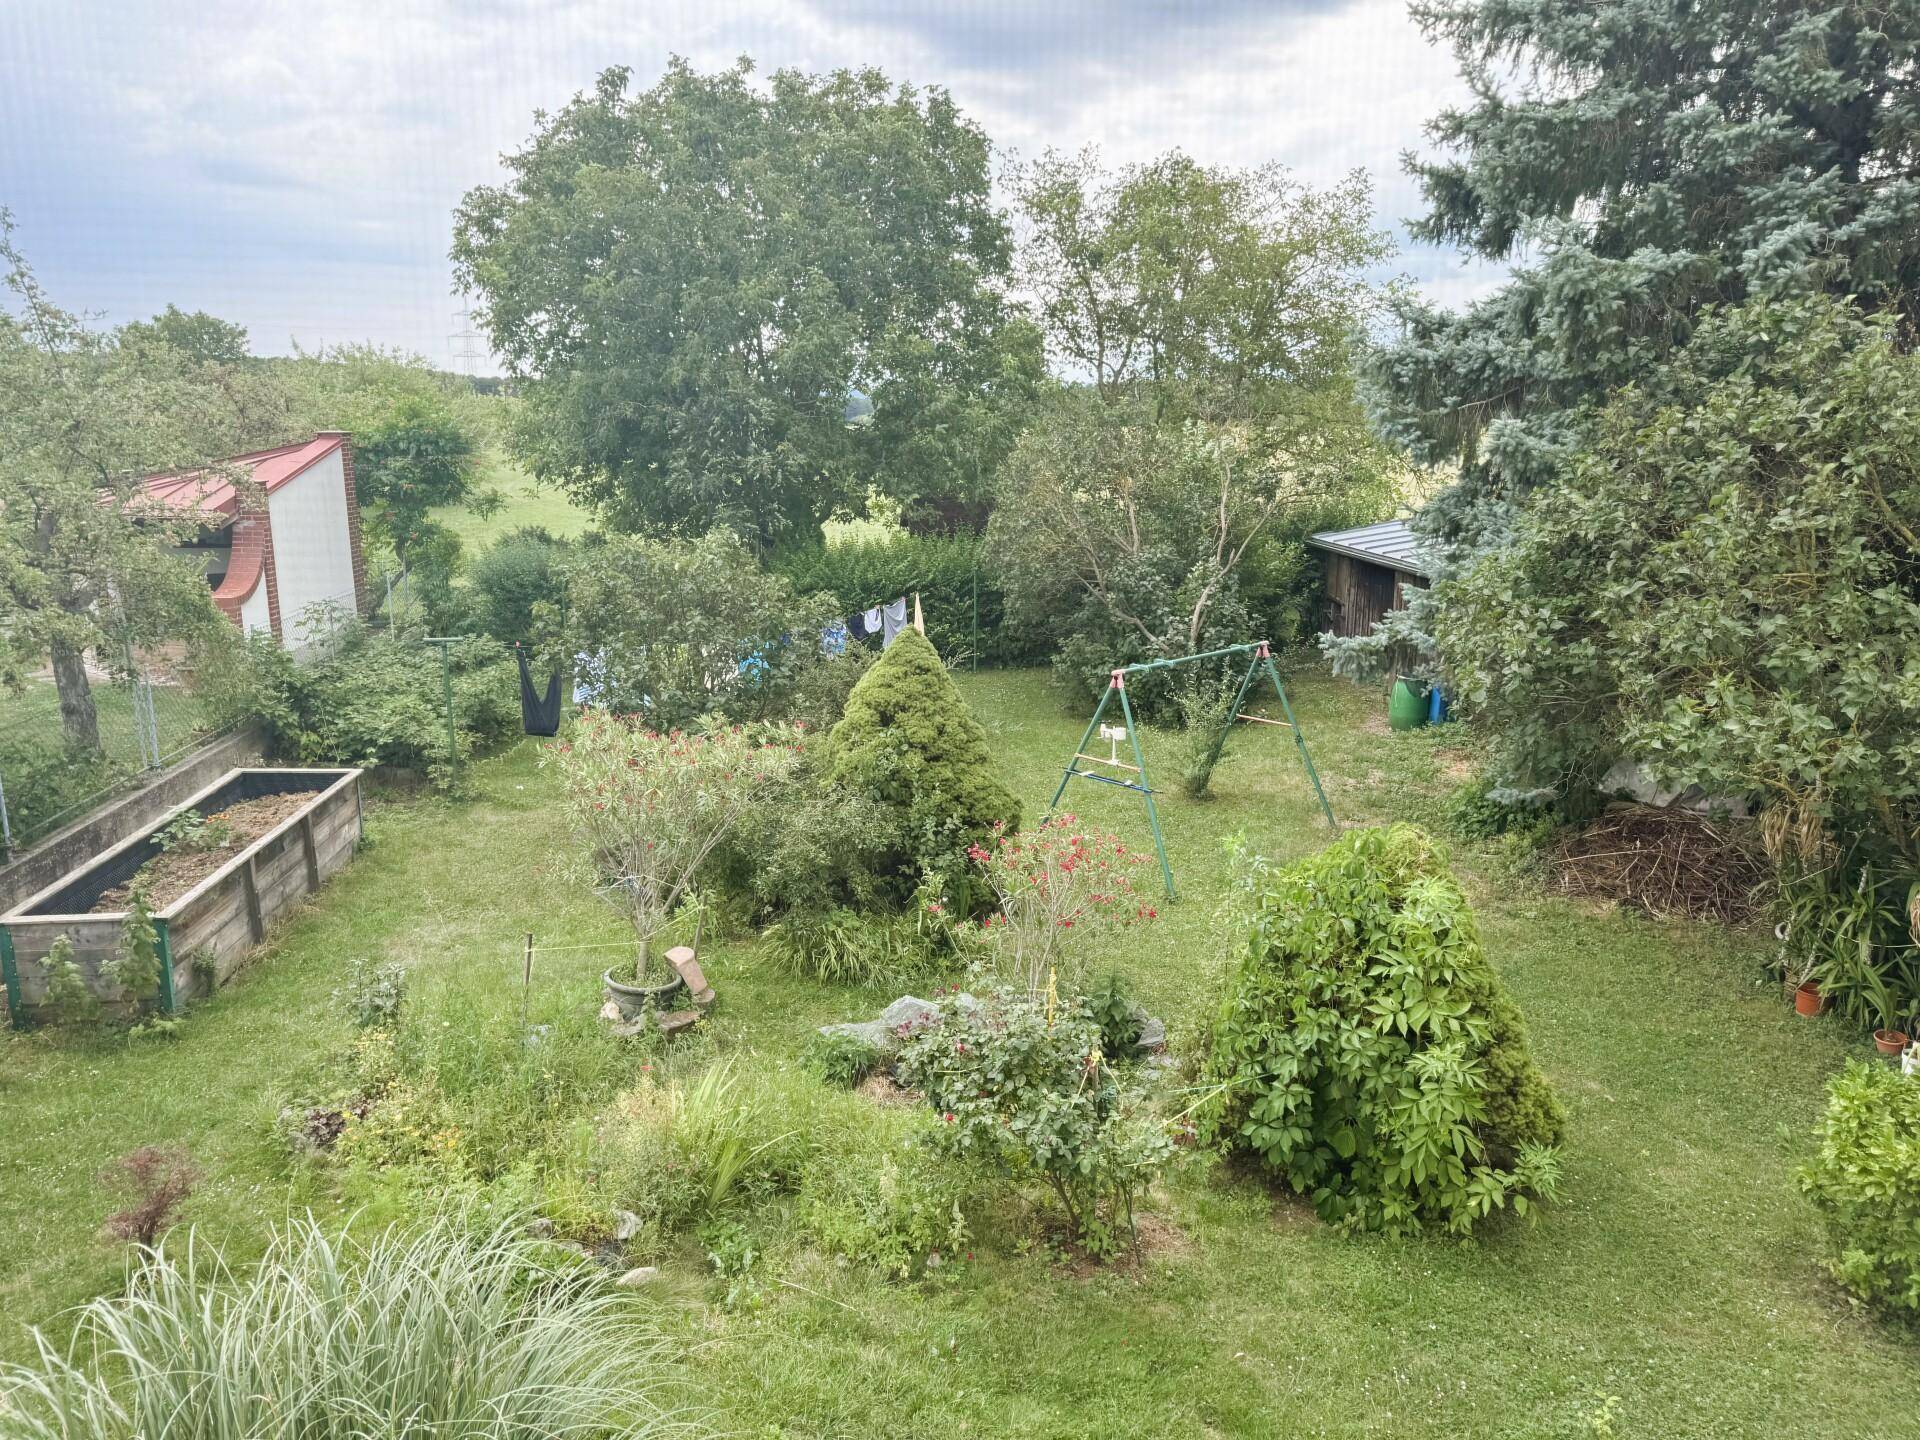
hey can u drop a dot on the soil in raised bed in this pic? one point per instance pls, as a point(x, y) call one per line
point(172, 873)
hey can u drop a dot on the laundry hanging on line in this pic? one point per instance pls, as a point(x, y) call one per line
point(893, 620)
point(538, 715)
point(833, 637)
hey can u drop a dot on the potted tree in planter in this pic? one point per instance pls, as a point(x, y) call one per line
point(649, 808)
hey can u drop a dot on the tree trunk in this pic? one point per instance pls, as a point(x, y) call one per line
point(77, 713)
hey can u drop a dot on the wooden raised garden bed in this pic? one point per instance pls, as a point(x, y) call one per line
point(292, 829)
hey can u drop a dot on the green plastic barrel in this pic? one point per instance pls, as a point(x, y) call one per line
point(1406, 707)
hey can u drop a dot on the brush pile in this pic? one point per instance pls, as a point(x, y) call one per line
point(1667, 862)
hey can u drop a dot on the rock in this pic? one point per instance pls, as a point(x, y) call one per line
point(909, 1011)
point(678, 1020)
point(540, 1228)
point(872, 1032)
point(610, 1012)
point(639, 1277)
point(1153, 1036)
point(626, 1224)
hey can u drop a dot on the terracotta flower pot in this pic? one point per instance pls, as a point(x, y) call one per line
point(1890, 1042)
point(1808, 1000)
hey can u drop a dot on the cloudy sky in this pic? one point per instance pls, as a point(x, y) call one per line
point(294, 166)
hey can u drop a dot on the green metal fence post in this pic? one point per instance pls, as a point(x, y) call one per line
point(976, 617)
point(16, 1007)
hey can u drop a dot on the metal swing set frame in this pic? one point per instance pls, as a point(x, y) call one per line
point(1260, 654)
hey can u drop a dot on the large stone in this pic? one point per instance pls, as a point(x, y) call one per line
point(1153, 1035)
point(639, 1277)
point(626, 1224)
point(678, 1020)
point(909, 1011)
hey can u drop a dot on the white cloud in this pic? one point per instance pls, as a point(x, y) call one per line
point(296, 168)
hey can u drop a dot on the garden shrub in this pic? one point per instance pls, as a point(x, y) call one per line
point(909, 743)
point(1025, 1087)
point(1061, 889)
point(844, 947)
point(428, 1331)
point(518, 573)
point(840, 1059)
point(942, 570)
point(378, 700)
point(677, 1151)
point(50, 782)
point(1365, 1051)
point(1865, 1181)
point(889, 1201)
point(680, 628)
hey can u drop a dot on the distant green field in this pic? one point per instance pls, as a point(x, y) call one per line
point(526, 503)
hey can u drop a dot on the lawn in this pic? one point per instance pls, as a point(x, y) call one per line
point(1677, 1274)
point(524, 502)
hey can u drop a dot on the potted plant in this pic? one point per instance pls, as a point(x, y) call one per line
point(649, 808)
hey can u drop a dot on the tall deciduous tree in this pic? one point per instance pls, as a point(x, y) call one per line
point(203, 337)
point(698, 280)
point(1217, 286)
point(85, 563)
point(1157, 508)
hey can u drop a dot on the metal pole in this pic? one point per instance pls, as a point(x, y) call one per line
point(1073, 765)
point(526, 982)
point(1146, 787)
point(1299, 740)
point(1147, 665)
point(445, 642)
point(976, 615)
point(6, 829)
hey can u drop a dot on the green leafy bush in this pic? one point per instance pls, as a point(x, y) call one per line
point(433, 1331)
point(889, 1202)
point(514, 576)
point(840, 1059)
point(378, 700)
point(909, 744)
point(1111, 1007)
point(1865, 1181)
point(679, 628)
point(942, 570)
point(1721, 587)
point(49, 783)
point(371, 992)
point(1367, 1054)
point(1027, 1089)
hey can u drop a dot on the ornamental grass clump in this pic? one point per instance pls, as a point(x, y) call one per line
point(1367, 1054)
point(431, 1332)
point(1061, 889)
point(649, 807)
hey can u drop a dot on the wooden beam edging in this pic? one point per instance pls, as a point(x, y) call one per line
point(311, 851)
point(250, 886)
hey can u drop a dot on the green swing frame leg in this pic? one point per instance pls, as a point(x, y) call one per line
point(1118, 686)
point(1262, 659)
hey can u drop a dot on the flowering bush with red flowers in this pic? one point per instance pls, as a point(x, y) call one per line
point(649, 807)
point(1028, 1088)
point(1061, 888)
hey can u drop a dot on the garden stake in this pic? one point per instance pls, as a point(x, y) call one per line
point(526, 982)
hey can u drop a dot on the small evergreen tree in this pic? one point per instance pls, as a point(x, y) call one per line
point(1367, 1053)
point(908, 742)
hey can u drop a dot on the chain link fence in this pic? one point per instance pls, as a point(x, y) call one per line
point(53, 772)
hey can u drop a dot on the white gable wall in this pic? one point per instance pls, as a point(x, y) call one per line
point(312, 547)
point(254, 614)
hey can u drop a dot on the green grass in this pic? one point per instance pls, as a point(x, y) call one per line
point(524, 503)
point(1678, 1272)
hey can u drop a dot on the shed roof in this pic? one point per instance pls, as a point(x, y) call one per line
point(213, 491)
point(1390, 543)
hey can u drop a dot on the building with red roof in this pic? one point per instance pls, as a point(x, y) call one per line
point(282, 555)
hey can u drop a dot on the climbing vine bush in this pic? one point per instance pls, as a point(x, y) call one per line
point(1366, 1053)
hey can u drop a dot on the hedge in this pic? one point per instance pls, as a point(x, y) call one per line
point(942, 569)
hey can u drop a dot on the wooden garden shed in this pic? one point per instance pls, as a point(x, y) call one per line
point(1369, 571)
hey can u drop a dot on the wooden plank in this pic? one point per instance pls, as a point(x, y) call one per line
point(308, 850)
point(250, 882)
